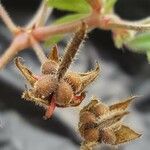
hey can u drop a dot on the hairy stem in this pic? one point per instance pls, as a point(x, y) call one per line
point(129, 26)
point(43, 33)
point(114, 22)
point(93, 21)
point(18, 44)
point(8, 55)
point(71, 51)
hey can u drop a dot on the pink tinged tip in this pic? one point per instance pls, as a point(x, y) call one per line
point(50, 109)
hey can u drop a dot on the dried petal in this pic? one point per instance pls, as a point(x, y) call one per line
point(54, 54)
point(90, 105)
point(90, 77)
point(74, 80)
point(27, 95)
point(25, 71)
point(125, 134)
point(111, 119)
point(122, 105)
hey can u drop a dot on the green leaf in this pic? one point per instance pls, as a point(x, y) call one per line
point(148, 56)
point(140, 42)
point(70, 18)
point(109, 5)
point(54, 40)
point(70, 5)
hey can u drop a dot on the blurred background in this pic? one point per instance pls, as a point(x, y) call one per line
point(123, 73)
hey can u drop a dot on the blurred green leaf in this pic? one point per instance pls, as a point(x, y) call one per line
point(109, 5)
point(54, 40)
point(140, 42)
point(70, 18)
point(70, 5)
point(148, 56)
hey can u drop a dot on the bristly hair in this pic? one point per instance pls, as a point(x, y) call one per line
point(71, 50)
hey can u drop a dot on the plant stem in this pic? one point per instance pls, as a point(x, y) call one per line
point(7, 20)
point(38, 50)
point(92, 21)
point(43, 33)
point(41, 16)
point(19, 43)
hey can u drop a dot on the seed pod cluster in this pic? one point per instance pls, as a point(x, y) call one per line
point(58, 86)
point(100, 123)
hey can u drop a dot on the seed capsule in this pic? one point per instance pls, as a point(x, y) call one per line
point(100, 109)
point(45, 86)
point(91, 135)
point(87, 117)
point(49, 67)
point(64, 93)
point(108, 136)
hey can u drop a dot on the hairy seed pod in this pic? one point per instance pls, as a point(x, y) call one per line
point(87, 117)
point(49, 67)
point(108, 136)
point(64, 93)
point(91, 134)
point(74, 80)
point(45, 86)
point(100, 109)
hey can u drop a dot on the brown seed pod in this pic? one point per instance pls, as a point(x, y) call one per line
point(74, 80)
point(100, 109)
point(91, 134)
point(87, 117)
point(64, 93)
point(108, 136)
point(45, 86)
point(49, 67)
